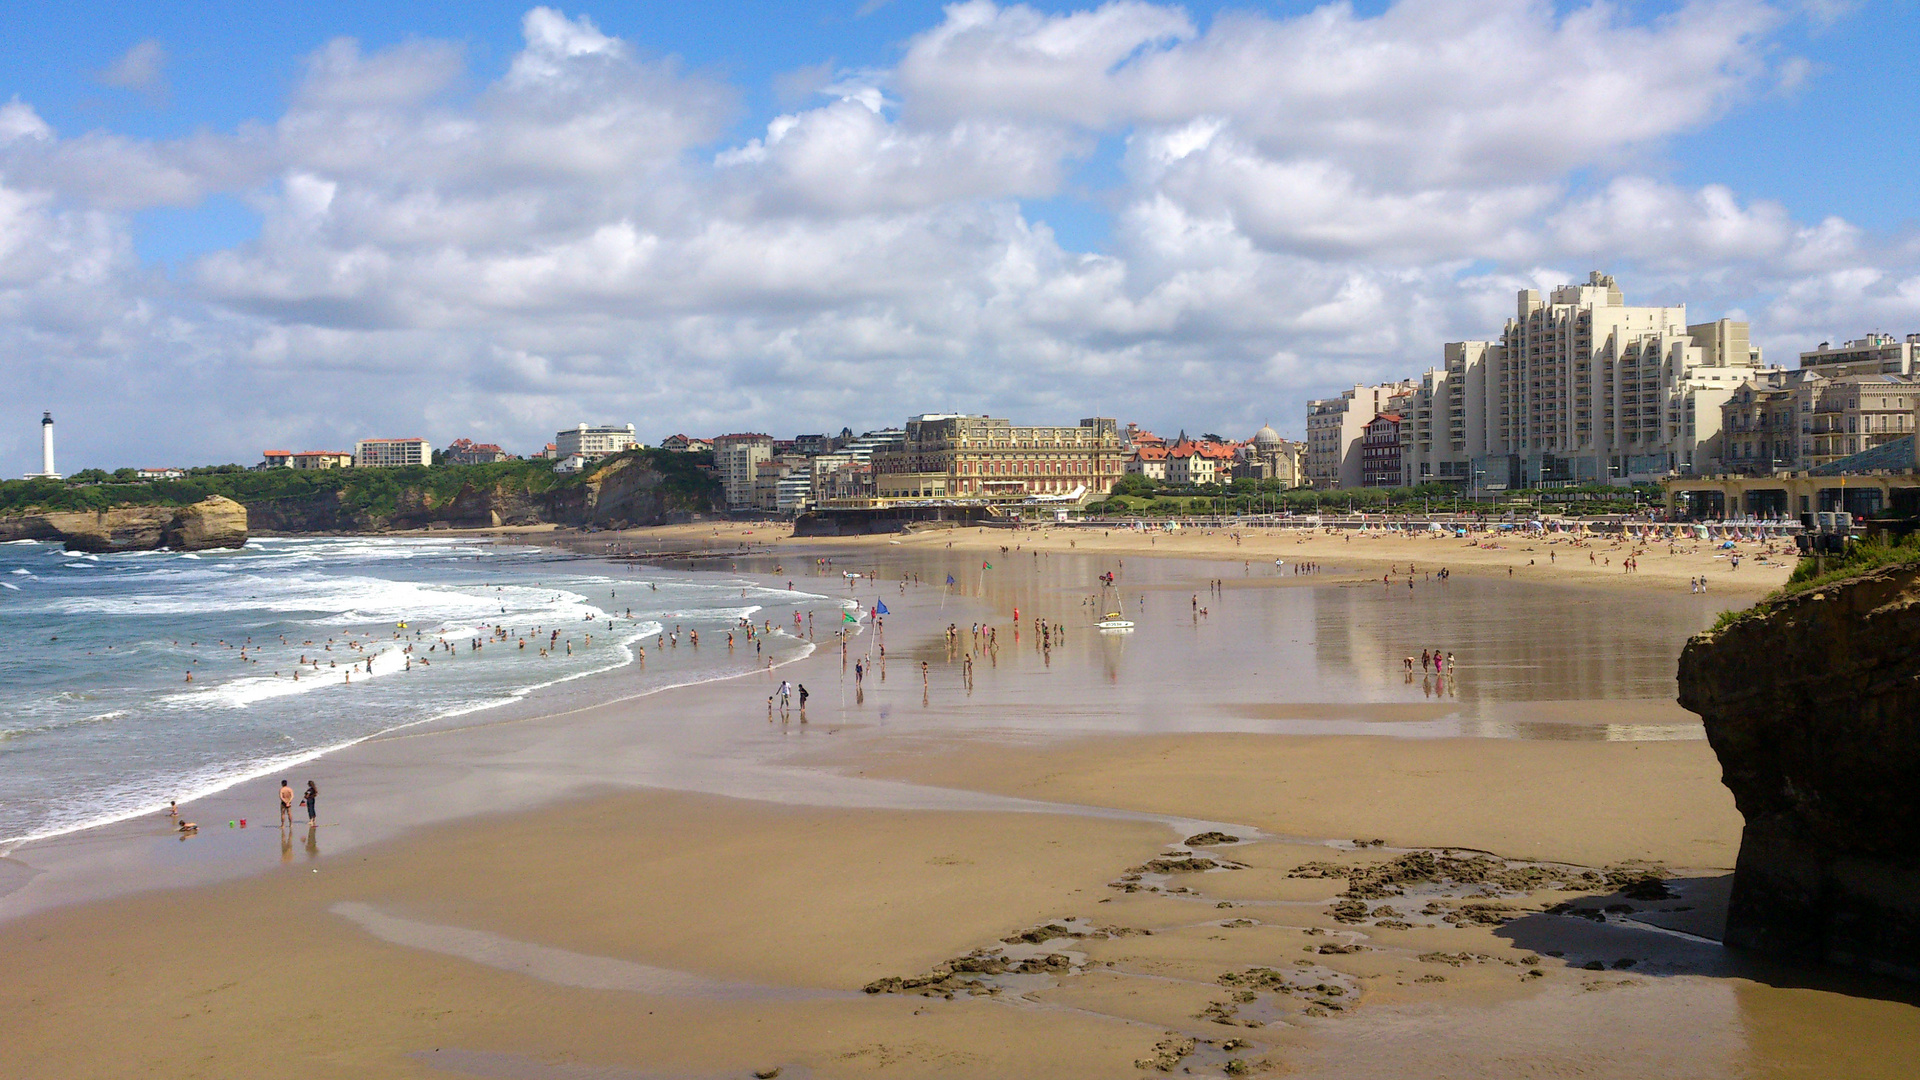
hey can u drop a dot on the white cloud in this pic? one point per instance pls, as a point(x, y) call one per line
point(19, 121)
point(142, 67)
point(1301, 201)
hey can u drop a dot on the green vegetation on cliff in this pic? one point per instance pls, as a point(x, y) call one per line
point(1863, 555)
point(375, 492)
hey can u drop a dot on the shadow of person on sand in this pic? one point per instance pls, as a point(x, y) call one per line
point(1636, 931)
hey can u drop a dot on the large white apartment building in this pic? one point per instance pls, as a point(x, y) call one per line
point(1579, 388)
point(592, 441)
point(1336, 425)
point(391, 453)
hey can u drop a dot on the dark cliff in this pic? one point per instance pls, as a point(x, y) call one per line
point(1812, 703)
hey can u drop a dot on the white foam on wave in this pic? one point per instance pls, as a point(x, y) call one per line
point(241, 692)
point(240, 586)
point(9, 585)
point(329, 600)
point(60, 725)
point(22, 570)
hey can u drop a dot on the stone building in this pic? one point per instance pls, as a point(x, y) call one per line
point(954, 456)
point(1267, 456)
point(1807, 419)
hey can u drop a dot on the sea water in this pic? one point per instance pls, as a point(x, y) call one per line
point(99, 721)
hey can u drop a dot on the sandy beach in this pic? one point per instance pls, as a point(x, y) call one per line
point(1240, 839)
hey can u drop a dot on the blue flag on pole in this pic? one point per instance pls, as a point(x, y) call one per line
point(949, 579)
point(880, 608)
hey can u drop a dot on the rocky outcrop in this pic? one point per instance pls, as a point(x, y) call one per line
point(624, 492)
point(134, 528)
point(215, 522)
point(1812, 703)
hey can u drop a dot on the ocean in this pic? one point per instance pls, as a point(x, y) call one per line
point(298, 646)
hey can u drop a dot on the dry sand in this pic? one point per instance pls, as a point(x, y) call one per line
point(613, 929)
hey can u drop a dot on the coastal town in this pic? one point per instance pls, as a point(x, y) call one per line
point(1577, 391)
point(979, 540)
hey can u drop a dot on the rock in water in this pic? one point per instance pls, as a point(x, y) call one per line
point(1812, 703)
point(213, 522)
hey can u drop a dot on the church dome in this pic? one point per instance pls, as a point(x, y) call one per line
point(1266, 436)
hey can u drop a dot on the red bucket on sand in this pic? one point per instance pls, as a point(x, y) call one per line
point(243, 823)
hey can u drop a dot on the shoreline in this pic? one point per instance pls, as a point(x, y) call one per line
point(1204, 546)
point(502, 899)
point(528, 696)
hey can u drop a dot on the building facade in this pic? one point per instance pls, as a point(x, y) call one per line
point(321, 459)
point(1809, 420)
point(468, 452)
point(1150, 462)
point(391, 453)
point(1335, 427)
point(1579, 388)
point(1875, 354)
point(1267, 456)
point(952, 456)
point(737, 459)
point(594, 441)
point(1380, 452)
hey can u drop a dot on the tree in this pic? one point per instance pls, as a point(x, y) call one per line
point(125, 476)
point(1134, 484)
point(88, 476)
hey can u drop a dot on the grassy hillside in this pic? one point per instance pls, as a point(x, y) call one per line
point(372, 491)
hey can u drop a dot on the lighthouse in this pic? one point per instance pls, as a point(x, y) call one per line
point(46, 450)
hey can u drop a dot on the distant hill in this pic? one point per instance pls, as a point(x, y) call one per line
point(638, 487)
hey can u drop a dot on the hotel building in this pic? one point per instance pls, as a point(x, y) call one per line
point(592, 442)
point(1579, 388)
point(955, 456)
point(391, 453)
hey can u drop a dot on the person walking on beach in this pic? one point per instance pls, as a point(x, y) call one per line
point(286, 804)
point(803, 699)
point(312, 801)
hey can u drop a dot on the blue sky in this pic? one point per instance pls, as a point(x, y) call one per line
point(1036, 205)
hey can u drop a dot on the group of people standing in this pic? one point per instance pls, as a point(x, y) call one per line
point(311, 800)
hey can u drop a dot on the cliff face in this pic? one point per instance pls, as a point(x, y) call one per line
point(640, 488)
point(1813, 707)
point(625, 492)
point(213, 523)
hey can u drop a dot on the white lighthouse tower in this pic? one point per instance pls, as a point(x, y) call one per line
point(46, 450)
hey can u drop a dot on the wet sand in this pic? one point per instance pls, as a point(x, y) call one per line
point(676, 886)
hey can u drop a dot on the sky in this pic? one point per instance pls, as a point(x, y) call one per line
point(229, 227)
